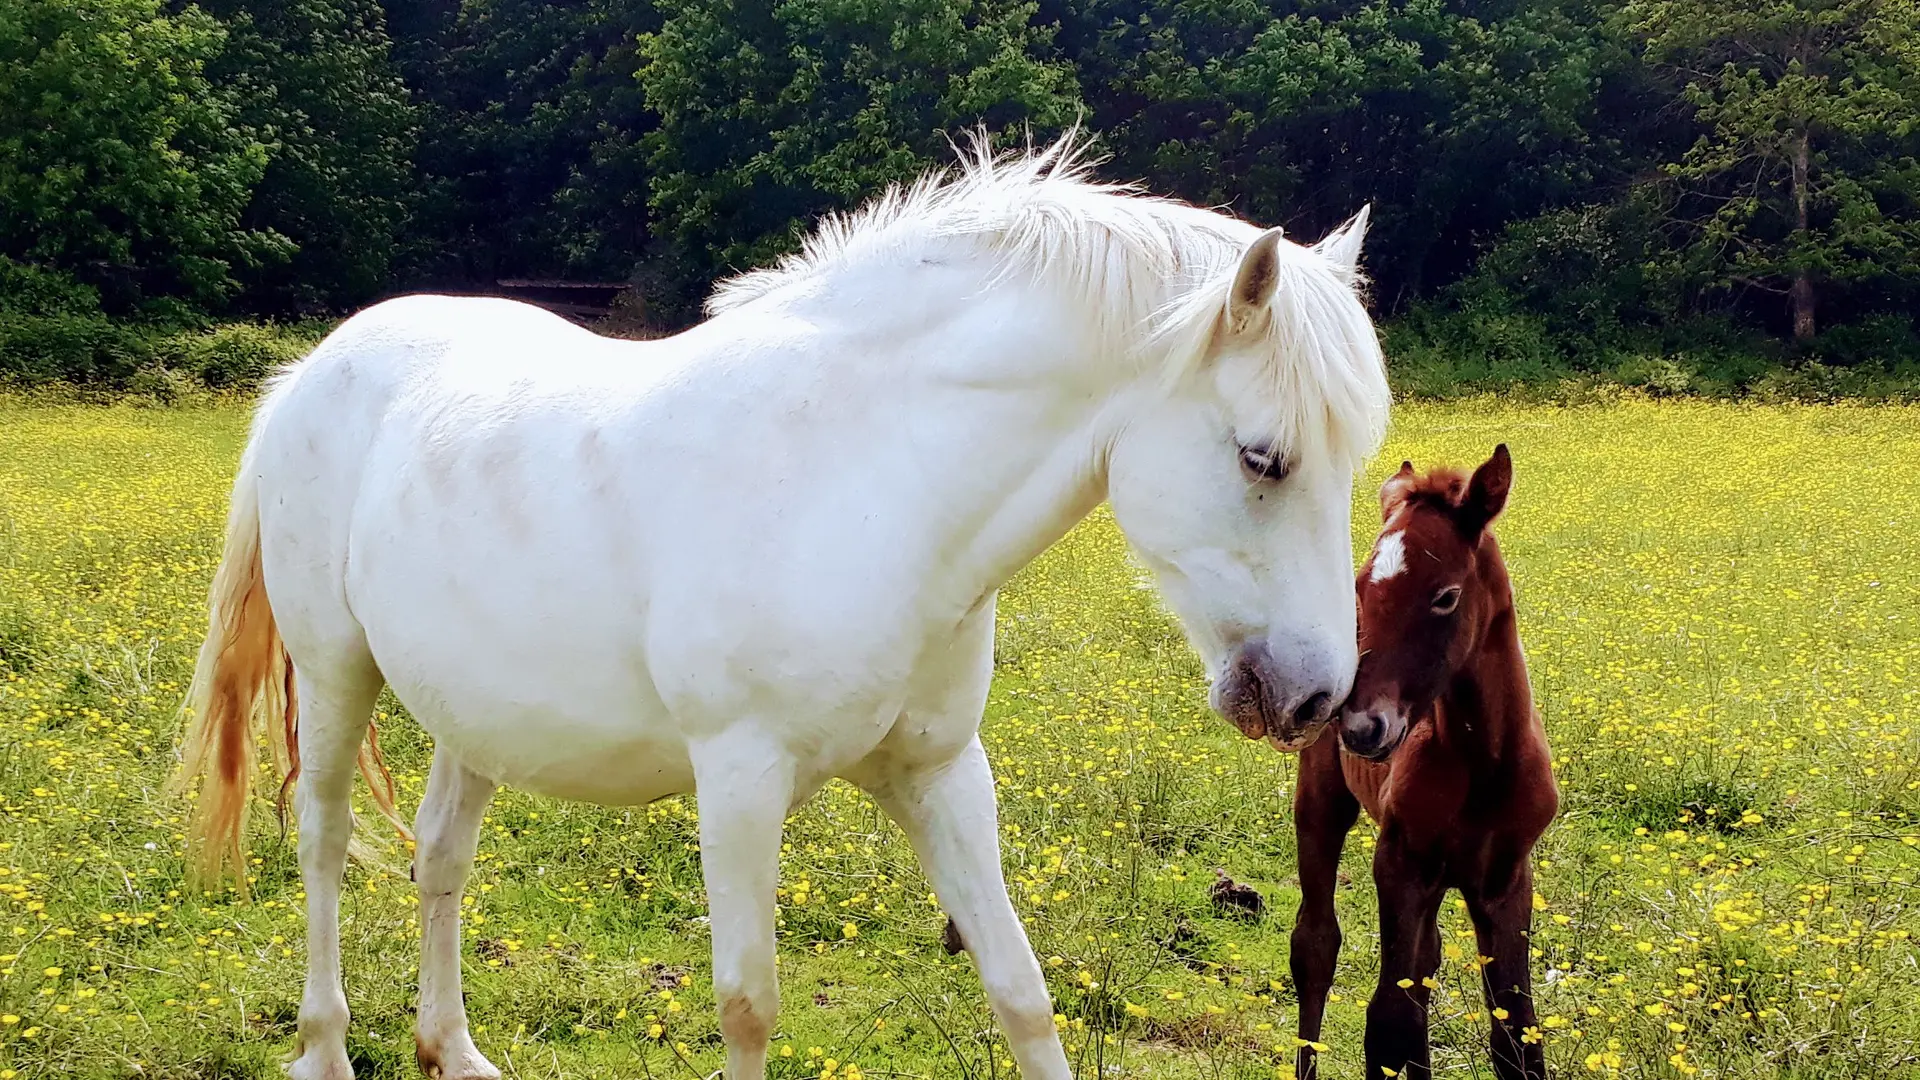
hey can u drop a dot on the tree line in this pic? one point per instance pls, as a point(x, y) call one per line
point(1586, 171)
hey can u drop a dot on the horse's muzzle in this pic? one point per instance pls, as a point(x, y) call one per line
point(1265, 702)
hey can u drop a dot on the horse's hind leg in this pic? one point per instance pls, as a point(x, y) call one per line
point(1323, 811)
point(336, 705)
point(447, 830)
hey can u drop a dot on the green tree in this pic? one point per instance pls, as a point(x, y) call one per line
point(121, 163)
point(1803, 175)
point(317, 80)
point(1452, 118)
point(774, 111)
point(530, 162)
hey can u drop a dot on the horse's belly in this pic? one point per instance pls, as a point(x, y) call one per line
point(568, 739)
point(529, 685)
point(557, 694)
point(552, 756)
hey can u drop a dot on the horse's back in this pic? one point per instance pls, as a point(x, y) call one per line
point(390, 367)
point(472, 341)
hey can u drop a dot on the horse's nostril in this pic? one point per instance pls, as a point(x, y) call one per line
point(1312, 711)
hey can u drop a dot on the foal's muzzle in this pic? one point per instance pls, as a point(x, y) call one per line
point(1374, 732)
point(1286, 704)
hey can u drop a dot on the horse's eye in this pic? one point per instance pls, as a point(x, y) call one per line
point(1446, 600)
point(1264, 463)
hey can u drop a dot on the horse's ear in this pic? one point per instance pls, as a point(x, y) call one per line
point(1254, 282)
point(1487, 492)
point(1393, 493)
point(1342, 246)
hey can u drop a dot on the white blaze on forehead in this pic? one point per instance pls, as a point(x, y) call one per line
point(1389, 556)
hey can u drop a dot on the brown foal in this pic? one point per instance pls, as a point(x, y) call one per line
point(1440, 743)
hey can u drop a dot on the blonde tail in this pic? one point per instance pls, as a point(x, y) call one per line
point(242, 688)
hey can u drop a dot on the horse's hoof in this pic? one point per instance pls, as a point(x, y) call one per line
point(454, 1058)
point(315, 1065)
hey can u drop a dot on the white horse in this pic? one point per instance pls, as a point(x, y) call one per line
point(764, 553)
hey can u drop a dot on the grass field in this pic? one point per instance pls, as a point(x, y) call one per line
point(1721, 607)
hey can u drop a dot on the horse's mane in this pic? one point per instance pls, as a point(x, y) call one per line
point(1153, 274)
point(1441, 487)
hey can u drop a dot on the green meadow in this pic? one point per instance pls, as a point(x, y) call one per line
point(1720, 605)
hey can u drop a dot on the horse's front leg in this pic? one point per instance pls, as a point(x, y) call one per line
point(951, 819)
point(447, 831)
point(1502, 911)
point(1323, 811)
point(745, 785)
point(1410, 885)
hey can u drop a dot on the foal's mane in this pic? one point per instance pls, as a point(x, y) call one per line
point(1153, 274)
point(1440, 487)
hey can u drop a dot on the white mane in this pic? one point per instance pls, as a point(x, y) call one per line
point(1153, 274)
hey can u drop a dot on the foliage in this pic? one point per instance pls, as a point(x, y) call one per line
point(236, 356)
point(1484, 340)
point(121, 162)
point(1451, 119)
point(76, 346)
point(774, 112)
point(1717, 610)
point(1803, 176)
point(530, 163)
point(315, 78)
point(1560, 186)
point(31, 289)
point(81, 347)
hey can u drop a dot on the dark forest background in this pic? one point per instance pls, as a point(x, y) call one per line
point(1684, 194)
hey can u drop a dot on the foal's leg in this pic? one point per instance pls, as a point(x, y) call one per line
point(745, 787)
point(336, 704)
point(447, 830)
point(951, 819)
point(1502, 911)
point(1323, 811)
point(1410, 887)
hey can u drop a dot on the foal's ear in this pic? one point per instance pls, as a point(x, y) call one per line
point(1342, 246)
point(1487, 492)
point(1254, 282)
point(1394, 492)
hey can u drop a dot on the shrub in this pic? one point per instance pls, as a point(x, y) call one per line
point(34, 290)
point(236, 356)
point(87, 348)
point(1884, 341)
point(163, 384)
point(1661, 376)
point(79, 347)
point(1815, 381)
point(1485, 344)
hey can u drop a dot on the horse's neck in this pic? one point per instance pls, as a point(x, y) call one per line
point(1489, 704)
point(1003, 413)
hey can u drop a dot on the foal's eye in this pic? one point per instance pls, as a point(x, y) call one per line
point(1264, 463)
point(1446, 600)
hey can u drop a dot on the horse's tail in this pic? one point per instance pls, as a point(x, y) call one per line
point(243, 688)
